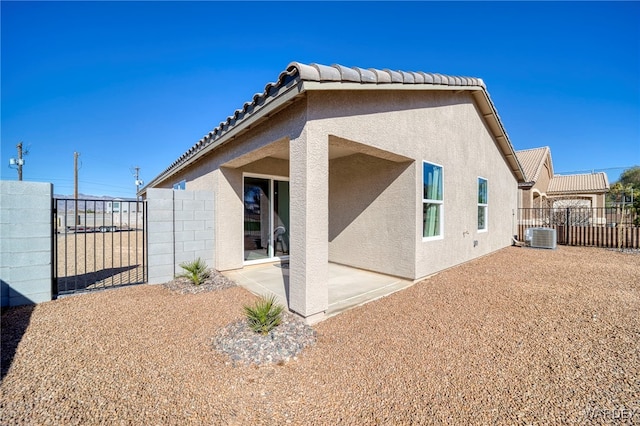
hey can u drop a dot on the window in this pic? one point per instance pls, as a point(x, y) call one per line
point(432, 200)
point(182, 185)
point(482, 204)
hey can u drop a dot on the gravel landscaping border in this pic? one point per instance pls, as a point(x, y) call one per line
point(242, 344)
point(521, 336)
point(216, 281)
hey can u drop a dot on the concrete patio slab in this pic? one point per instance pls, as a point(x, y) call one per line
point(348, 287)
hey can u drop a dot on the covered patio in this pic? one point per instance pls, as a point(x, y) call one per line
point(347, 287)
point(307, 217)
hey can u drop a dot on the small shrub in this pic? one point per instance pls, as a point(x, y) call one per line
point(265, 315)
point(195, 271)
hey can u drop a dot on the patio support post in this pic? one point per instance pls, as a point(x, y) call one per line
point(308, 262)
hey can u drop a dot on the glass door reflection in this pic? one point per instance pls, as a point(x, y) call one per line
point(266, 218)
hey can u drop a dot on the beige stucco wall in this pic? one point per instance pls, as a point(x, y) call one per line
point(222, 172)
point(542, 184)
point(526, 196)
point(364, 208)
point(371, 214)
point(439, 127)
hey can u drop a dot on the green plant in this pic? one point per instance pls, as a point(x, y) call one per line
point(196, 271)
point(264, 315)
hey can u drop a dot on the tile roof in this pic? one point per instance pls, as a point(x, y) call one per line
point(592, 182)
point(339, 73)
point(531, 161)
point(297, 72)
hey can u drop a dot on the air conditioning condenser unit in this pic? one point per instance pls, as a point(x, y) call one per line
point(542, 237)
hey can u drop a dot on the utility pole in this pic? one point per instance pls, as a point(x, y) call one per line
point(75, 190)
point(139, 182)
point(20, 161)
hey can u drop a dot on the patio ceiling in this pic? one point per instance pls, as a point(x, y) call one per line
point(338, 147)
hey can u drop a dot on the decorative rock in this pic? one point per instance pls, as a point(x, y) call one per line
point(282, 343)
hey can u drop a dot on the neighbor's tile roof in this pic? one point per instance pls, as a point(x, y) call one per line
point(593, 182)
point(531, 161)
point(297, 72)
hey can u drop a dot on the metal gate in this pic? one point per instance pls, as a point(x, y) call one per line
point(98, 244)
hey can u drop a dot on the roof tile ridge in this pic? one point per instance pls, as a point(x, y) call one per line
point(327, 73)
point(347, 74)
point(366, 75)
point(541, 160)
point(305, 72)
point(382, 76)
point(532, 149)
point(341, 73)
point(396, 77)
point(407, 77)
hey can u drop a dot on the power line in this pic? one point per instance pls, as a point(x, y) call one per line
point(69, 181)
point(594, 170)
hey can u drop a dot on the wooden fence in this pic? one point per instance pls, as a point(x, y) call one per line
point(581, 226)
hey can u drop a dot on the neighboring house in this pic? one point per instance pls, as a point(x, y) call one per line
point(588, 190)
point(538, 172)
point(402, 173)
point(544, 189)
point(122, 205)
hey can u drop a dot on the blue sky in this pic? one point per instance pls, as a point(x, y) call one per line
point(138, 83)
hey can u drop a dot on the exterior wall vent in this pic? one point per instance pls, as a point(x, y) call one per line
point(542, 237)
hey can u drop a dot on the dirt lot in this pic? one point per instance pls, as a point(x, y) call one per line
point(523, 336)
point(97, 260)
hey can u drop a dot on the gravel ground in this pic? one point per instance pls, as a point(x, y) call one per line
point(522, 336)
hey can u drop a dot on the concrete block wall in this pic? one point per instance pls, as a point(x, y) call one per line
point(25, 242)
point(180, 228)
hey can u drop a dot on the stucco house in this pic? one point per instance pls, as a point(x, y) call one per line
point(402, 173)
point(542, 188)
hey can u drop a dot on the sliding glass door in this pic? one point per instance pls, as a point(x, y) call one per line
point(266, 218)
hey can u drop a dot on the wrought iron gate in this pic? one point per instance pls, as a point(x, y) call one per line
point(98, 244)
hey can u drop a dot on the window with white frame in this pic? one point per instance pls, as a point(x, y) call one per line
point(483, 203)
point(182, 185)
point(432, 200)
